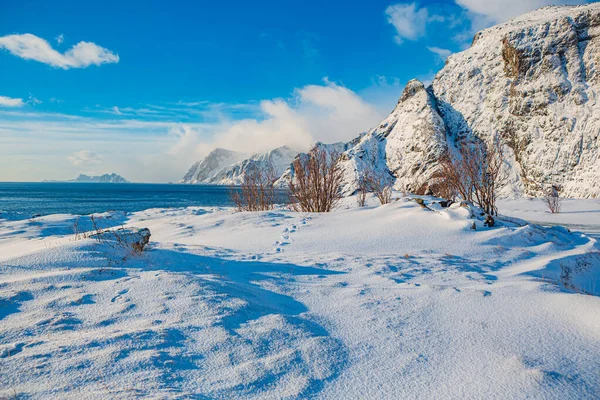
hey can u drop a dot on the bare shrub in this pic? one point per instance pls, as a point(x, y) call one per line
point(257, 191)
point(361, 193)
point(420, 186)
point(474, 173)
point(128, 239)
point(380, 184)
point(553, 200)
point(316, 185)
point(441, 186)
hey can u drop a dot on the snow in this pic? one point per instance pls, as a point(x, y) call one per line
point(225, 167)
point(532, 80)
point(393, 301)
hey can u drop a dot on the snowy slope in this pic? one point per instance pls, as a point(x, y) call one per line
point(364, 303)
point(277, 160)
point(225, 167)
point(329, 148)
point(206, 169)
point(534, 80)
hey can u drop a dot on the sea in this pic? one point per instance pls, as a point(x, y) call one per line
point(43, 198)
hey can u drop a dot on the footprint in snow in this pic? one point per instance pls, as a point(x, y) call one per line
point(121, 293)
point(11, 349)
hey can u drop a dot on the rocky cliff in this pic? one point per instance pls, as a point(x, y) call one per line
point(533, 80)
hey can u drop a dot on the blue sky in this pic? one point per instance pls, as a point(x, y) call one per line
point(145, 88)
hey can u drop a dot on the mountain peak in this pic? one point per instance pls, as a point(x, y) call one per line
point(412, 87)
point(533, 79)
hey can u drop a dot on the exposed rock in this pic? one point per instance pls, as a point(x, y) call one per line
point(406, 144)
point(224, 167)
point(276, 161)
point(140, 239)
point(204, 171)
point(533, 80)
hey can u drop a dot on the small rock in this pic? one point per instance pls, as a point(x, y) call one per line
point(446, 203)
point(489, 221)
point(473, 226)
point(420, 202)
point(141, 239)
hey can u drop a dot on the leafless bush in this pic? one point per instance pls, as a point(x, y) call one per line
point(123, 238)
point(257, 191)
point(380, 184)
point(316, 185)
point(474, 173)
point(361, 193)
point(419, 186)
point(553, 200)
point(441, 187)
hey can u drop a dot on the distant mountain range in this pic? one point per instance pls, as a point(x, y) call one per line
point(106, 178)
point(225, 167)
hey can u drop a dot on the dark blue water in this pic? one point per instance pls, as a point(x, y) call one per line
point(87, 198)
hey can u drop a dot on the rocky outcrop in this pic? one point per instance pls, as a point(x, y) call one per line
point(406, 145)
point(534, 81)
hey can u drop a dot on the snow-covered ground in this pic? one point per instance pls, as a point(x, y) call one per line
point(391, 302)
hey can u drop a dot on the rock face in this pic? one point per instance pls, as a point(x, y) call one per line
point(219, 169)
point(405, 145)
point(204, 171)
point(277, 161)
point(533, 80)
point(106, 178)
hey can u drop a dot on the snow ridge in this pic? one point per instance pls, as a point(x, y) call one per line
point(204, 171)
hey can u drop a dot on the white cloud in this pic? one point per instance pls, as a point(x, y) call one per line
point(60, 38)
point(10, 102)
point(489, 12)
point(33, 100)
point(85, 158)
point(31, 47)
point(441, 53)
point(157, 149)
point(409, 20)
point(327, 113)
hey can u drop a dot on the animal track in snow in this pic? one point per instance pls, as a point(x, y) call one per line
point(286, 235)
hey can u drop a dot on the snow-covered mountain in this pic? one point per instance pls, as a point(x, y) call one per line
point(330, 148)
point(205, 170)
point(225, 167)
point(534, 80)
point(106, 178)
point(277, 160)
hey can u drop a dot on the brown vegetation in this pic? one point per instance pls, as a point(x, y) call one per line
point(317, 181)
point(473, 173)
point(257, 191)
